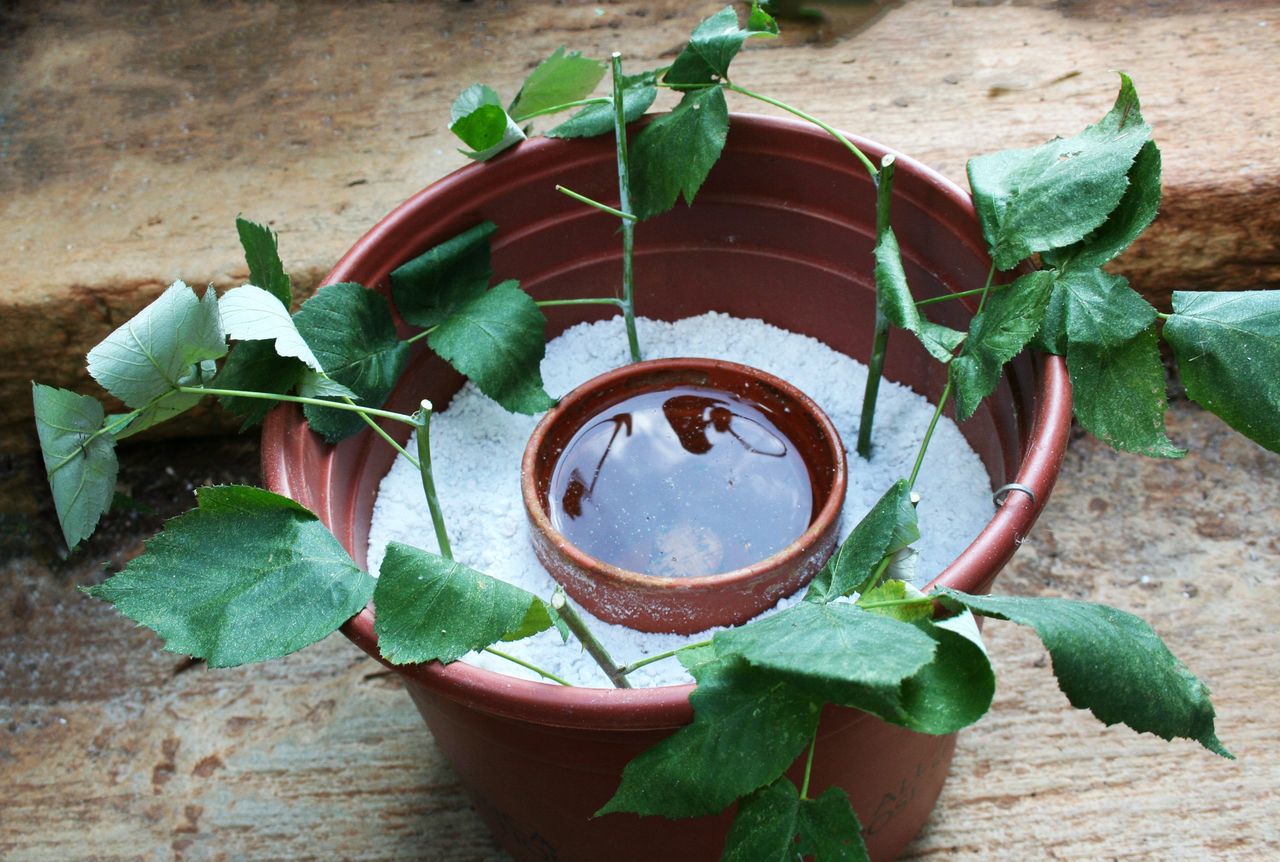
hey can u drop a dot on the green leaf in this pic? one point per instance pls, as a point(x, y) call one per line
point(714, 44)
point(1119, 396)
point(262, 253)
point(558, 79)
point(1010, 319)
point(673, 154)
point(769, 820)
point(638, 93)
point(893, 297)
point(254, 366)
point(160, 348)
point(498, 340)
point(1054, 195)
point(80, 462)
point(1136, 210)
point(1228, 350)
point(481, 123)
point(250, 313)
point(956, 688)
point(837, 651)
point(748, 727)
point(830, 831)
point(433, 609)
point(248, 576)
point(315, 384)
point(1111, 663)
point(350, 331)
point(888, 527)
point(441, 280)
point(897, 599)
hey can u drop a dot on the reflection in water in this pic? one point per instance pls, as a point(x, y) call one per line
point(681, 482)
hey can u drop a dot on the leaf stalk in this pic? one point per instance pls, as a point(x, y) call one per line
point(624, 203)
point(880, 339)
point(594, 648)
point(422, 419)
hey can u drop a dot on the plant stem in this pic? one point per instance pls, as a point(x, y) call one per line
point(594, 648)
point(893, 603)
point(858, 154)
point(412, 339)
point(604, 300)
point(297, 399)
point(928, 435)
point(963, 293)
point(880, 341)
point(986, 289)
point(121, 422)
point(636, 665)
point(1163, 316)
point(524, 664)
point(423, 420)
point(624, 203)
point(592, 202)
point(555, 109)
point(808, 766)
point(390, 441)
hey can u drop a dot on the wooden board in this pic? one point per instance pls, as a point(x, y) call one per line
point(132, 137)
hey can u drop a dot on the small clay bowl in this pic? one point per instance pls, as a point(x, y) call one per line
point(684, 605)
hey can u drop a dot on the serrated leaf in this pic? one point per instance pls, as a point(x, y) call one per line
point(889, 526)
point(1119, 395)
point(481, 123)
point(433, 609)
point(313, 384)
point(254, 366)
point(1053, 195)
point(893, 297)
point(638, 93)
point(835, 651)
point(713, 45)
point(262, 254)
point(250, 313)
point(160, 348)
point(829, 829)
point(1010, 319)
point(1111, 663)
point(442, 279)
point(248, 576)
point(769, 821)
point(558, 79)
point(748, 727)
point(350, 331)
point(498, 340)
point(80, 463)
point(1228, 350)
point(955, 689)
point(897, 599)
point(673, 154)
point(1135, 212)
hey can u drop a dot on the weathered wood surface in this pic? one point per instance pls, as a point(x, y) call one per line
point(132, 134)
point(109, 750)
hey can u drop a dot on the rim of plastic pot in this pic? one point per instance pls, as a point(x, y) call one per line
point(370, 260)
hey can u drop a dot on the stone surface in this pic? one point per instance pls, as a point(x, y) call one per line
point(111, 749)
point(132, 134)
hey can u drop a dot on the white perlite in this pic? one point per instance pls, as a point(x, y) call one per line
point(476, 448)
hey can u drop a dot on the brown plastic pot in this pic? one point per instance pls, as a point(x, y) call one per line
point(783, 231)
point(685, 605)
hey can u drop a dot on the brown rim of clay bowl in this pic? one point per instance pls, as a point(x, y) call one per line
point(685, 605)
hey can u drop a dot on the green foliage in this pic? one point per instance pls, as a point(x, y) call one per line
point(888, 527)
point(254, 366)
point(748, 727)
point(436, 283)
point(79, 458)
point(714, 44)
point(673, 154)
point(1010, 319)
point(351, 333)
point(170, 343)
point(250, 313)
point(956, 688)
point(769, 821)
point(262, 253)
point(481, 123)
point(1056, 194)
point(1111, 663)
point(248, 576)
point(897, 599)
point(562, 77)
point(638, 94)
point(1228, 351)
point(893, 298)
point(434, 609)
point(498, 340)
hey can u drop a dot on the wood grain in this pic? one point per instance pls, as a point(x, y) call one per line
point(133, 134)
